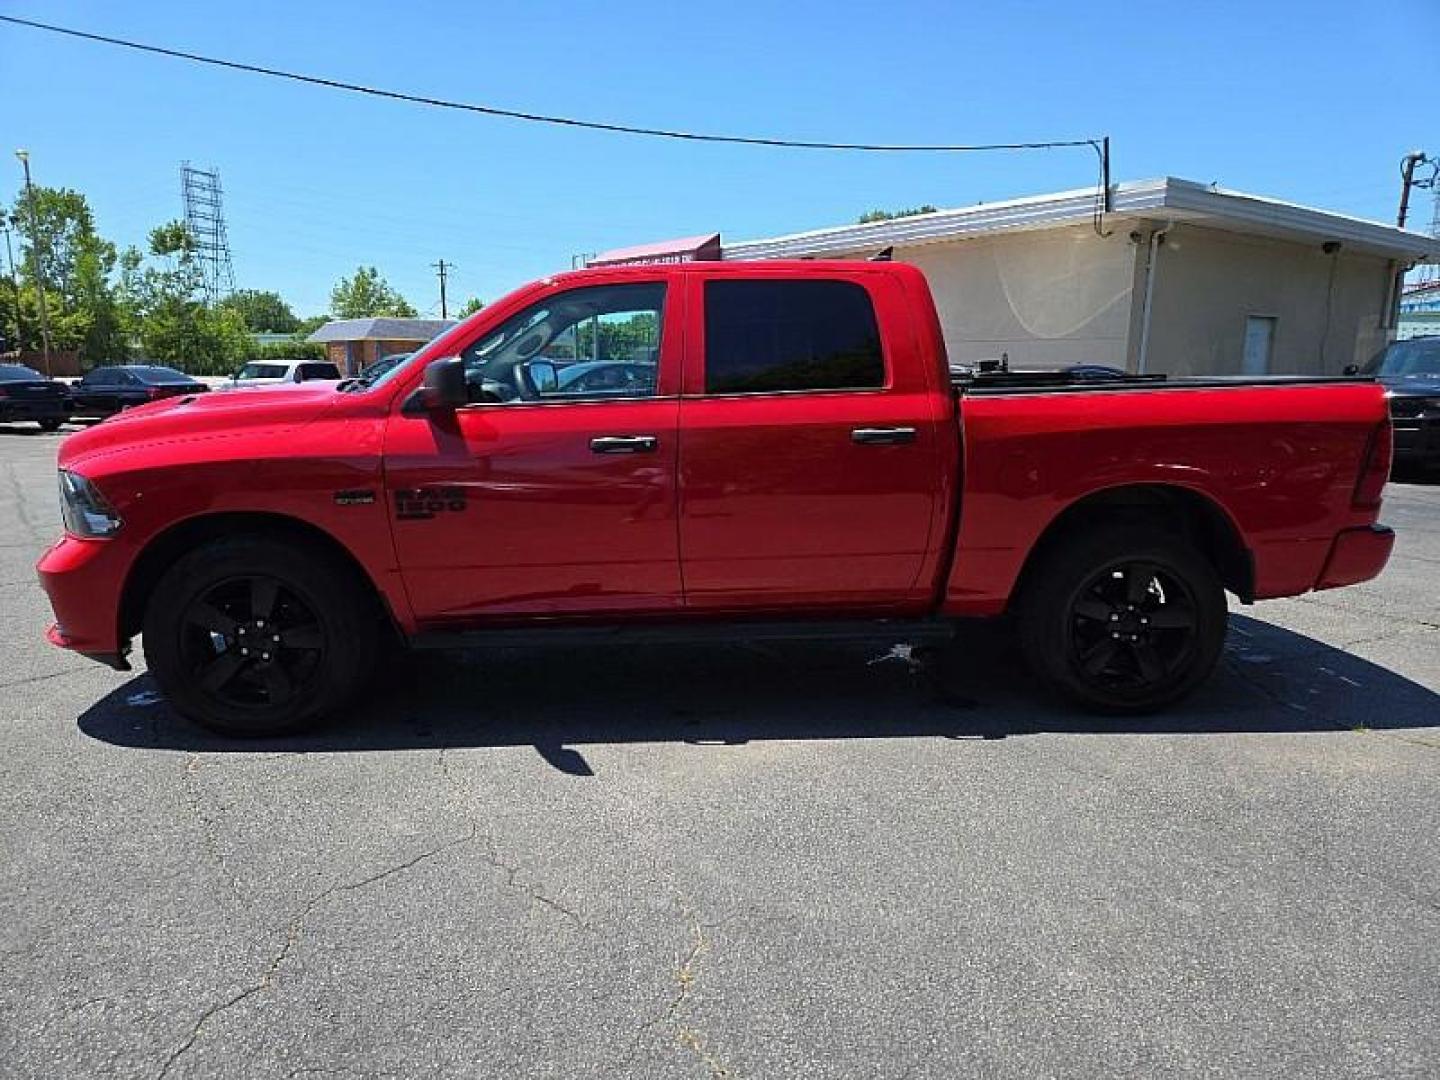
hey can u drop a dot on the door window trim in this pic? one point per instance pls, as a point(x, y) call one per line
point(672, 326)
point(698, 359)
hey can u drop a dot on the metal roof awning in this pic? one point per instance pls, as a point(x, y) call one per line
point(686, 249)
point(1168, 199)
point(380, 329)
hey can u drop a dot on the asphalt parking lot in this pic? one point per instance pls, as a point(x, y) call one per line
point(744, 862)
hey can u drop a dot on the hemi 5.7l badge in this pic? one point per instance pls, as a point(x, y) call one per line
point(418, 504)
point(354, 497)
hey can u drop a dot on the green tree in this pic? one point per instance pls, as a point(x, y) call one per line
point(471, 306)
point(262, 311)
point(308, 325)
point(75, 266)
point(367, 295)
point(890, 215)
point(164, 302)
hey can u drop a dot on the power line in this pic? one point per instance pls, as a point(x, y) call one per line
point(542, 118)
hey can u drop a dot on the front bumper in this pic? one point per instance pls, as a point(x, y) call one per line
point(83, 579)
point(1357, 555)
point(33, 409)
point(1417, 439)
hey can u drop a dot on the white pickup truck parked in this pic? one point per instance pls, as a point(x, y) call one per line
point(273, 372)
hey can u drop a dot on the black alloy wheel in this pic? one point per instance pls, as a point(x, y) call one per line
point(1132, 627)
point(251, 642)
point(261, 634)
point(1122, 619)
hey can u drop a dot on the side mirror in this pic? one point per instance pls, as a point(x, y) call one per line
point(444, 385)
point(1352, 369)
point(544, 376)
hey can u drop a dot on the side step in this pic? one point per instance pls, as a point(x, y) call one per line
point(883, 631)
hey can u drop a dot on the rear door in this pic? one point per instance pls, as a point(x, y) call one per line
point(810, 468)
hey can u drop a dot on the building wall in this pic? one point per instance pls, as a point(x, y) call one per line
point(352, 356)
point(1044, 298)
point(1329, 309)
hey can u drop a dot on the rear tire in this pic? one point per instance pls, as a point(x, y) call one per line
point(1123, 620)
point(259, 636)
point(50, 424)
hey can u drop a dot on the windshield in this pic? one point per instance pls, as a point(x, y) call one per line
point(158, 374)
point(1418, 356)
point(262, 371)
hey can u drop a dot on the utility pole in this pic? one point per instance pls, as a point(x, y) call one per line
point(14, 282)
point(1408, 164)
point(24, 156)
point(1407, 182)
point(442, 268)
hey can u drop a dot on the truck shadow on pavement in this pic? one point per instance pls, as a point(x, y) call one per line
point(1270, 681)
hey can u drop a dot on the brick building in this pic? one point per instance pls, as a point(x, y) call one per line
point(352, 344)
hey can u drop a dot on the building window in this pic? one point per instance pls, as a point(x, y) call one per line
point(767, 336)
point(1259, 344)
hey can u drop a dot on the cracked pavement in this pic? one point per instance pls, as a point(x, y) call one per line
point(737, 862)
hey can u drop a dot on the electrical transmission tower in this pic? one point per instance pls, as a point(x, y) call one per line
point(1430, 272)
point(205, 222)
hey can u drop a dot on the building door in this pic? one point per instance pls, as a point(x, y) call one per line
point(1259, 344)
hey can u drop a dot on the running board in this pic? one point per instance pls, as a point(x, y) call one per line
point(884, 631)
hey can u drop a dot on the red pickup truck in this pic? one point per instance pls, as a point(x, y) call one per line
point(713, 451)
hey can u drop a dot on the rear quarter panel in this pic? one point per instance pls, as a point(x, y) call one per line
point(1280, 461)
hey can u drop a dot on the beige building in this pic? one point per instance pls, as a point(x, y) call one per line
point(1177, 277)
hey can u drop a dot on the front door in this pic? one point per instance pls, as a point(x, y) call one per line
point(810, 458)
point(553, 493)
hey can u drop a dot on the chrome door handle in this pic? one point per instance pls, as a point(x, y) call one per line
point(624, 444)
point(883, 436)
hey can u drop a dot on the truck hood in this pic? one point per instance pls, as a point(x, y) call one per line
point(1411, 385)
point(201, 418)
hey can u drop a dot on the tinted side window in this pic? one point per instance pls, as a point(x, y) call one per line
point(99, 377)
point(790, 335)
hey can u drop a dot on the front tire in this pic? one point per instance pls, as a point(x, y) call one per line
point(50, 424)
point(1123, 620)
point(259, 636)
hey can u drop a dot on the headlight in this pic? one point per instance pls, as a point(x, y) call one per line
point(83, 509)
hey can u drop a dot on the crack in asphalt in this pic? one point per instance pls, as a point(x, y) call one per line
point(292, 939)
point(22, 512)
point(1355, 609)
point(490, 854)
point(49, 675)
point(686, 975)
point(208, 825)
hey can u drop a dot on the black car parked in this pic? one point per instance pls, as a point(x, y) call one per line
point(25, 394)
point(1410, 372)
point(104, 391)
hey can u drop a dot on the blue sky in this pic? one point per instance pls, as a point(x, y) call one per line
point(1314, 102)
